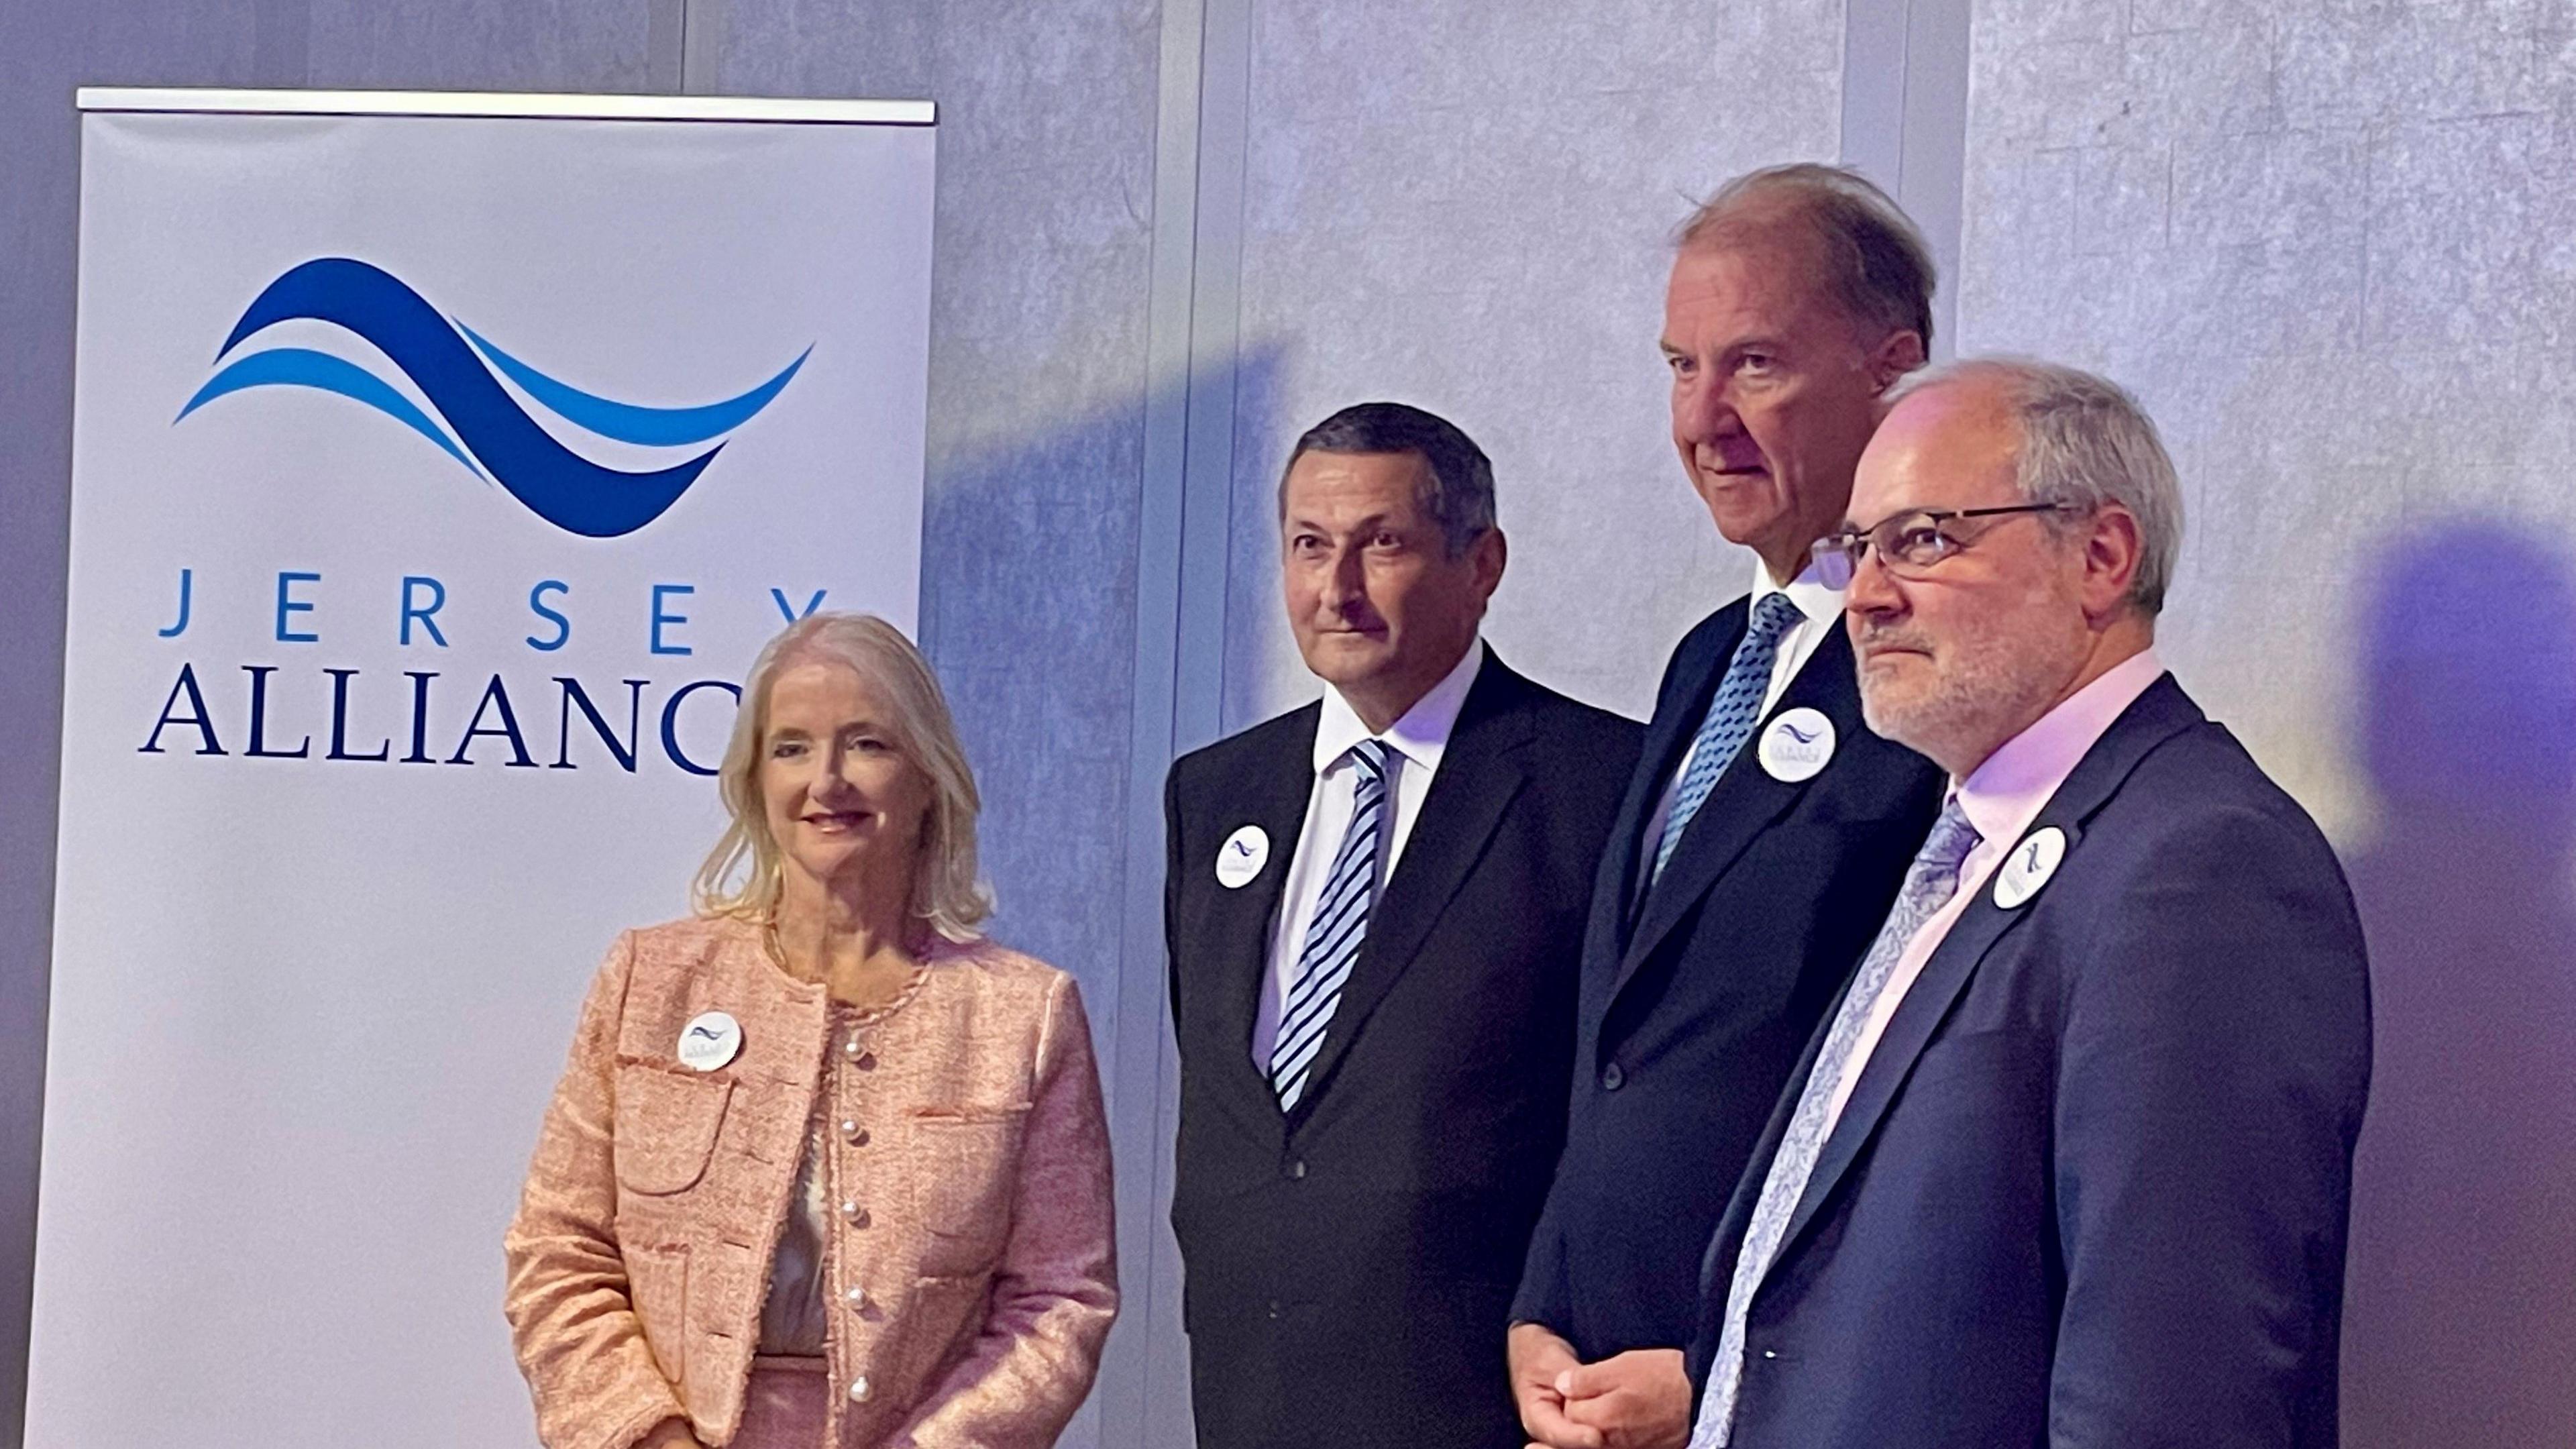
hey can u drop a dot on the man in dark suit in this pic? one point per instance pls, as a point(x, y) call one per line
point(2070, 1162)
point(1765, 829)
point(1374, 906)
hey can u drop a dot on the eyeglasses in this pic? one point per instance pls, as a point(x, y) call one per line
point(1910, 543)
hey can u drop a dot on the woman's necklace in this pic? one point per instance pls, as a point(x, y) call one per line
point(769, 943)
point(890, 992)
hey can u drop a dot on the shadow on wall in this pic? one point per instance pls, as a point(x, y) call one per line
point(1029, 597)
point(2461, 1317)
point(1029, 611)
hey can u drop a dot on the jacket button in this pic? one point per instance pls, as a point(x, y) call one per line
point(859, 1390)
point(851, 1048)
point(853, 1133)
point(1294, 1169)
point(1612, 1078)
point(858, 1299)
point(857, 1215)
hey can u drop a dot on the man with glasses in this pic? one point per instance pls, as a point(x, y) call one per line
point(2070, 1162)
point(1765, 828)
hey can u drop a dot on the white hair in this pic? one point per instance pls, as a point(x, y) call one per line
point(2087, 443)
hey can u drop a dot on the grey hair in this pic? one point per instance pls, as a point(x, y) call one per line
point(2084, 442)
point(1458, 484)
point(742, 876)
point(1872, 256)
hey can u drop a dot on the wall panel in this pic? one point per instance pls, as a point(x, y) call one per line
point(2324, 242)
point(1038, 377)
point(1466, 208)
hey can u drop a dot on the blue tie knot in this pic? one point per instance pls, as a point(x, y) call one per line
point(1370, 755)
point(1773, 616)
point(1731, 716)
point(1947, 847)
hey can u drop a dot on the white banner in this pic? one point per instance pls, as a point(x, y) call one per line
point(435, 477)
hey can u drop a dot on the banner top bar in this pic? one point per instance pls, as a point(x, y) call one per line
point(506, 105)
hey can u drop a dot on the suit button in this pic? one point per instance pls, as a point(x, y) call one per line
point(1294, 1169)
point(858, 1298)
point(859, 1389)
point(1612, 1078)
point(1274, 1308)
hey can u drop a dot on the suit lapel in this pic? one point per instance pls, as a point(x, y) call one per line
point(2163, 711)
point(1745, 801)
point(1668, 734)
point(1240, 922)
point(1481, 770)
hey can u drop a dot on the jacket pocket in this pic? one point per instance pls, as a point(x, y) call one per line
point(666, 1127)
point(657, 1284)
point(966, 1165)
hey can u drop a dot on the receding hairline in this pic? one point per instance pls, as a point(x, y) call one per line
point(1426, 478)
point(1780, 234)
point(1992, 389)
point(1997, 389)
point(1815, 212)
point(1952, 404)
point(1421, 463)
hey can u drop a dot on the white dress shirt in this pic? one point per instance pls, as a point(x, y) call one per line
point(2001, 798)
point(1821, 609)
point(1415, 744)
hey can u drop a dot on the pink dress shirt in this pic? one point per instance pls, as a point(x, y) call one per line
point(2001, 798)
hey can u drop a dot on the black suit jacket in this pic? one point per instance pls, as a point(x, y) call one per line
point(2091, 1185)
point(1696, 1004)
point(1348, 1264)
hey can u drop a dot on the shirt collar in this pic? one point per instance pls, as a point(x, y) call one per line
point(2005, 794)
point(1806, 592)
point(1421, 736)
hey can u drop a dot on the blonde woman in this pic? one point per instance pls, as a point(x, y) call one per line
point(827, 1168)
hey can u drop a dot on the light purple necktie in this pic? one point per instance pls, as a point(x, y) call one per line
point(1929, 884)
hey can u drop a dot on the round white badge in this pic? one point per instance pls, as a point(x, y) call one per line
point(1798, 745)
point(711, 1039)
point(1242, 856)
point(2028, 867)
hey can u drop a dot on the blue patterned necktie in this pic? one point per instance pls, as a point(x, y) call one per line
point(1731, 716)
point(1929, 885)
point(1333, 936)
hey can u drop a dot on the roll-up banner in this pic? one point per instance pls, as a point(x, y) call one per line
point(439, 462)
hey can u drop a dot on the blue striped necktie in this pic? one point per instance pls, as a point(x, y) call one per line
point(1730, 716)
point(1929, 884)
point(1333, 936)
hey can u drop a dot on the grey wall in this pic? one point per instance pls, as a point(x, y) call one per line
point(1464, 207)
point(2326, 243)
point(2323, 238)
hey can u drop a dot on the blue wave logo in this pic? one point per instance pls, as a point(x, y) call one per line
point(486, 431)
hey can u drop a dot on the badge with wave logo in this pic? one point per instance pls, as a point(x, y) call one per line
point(485, 429)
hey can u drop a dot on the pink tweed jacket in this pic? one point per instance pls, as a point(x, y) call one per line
point(971, 1265)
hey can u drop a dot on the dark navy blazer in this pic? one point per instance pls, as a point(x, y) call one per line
point(1696, 1003)
point(2091, 1186)
point(1347, 1265)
